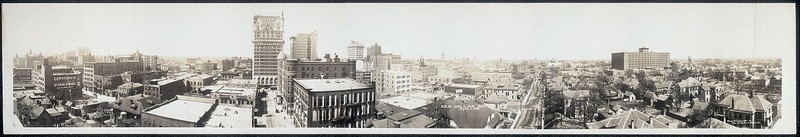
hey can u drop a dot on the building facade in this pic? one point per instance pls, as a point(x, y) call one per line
point(328, 69)
point(98, 76)
point(355, 51)
point(57, 81)
point(392, 82)
point(22, 75)
point(304, 46)
point(267, 44)
point(333, 103)
point(639, 60)
point(373, 51)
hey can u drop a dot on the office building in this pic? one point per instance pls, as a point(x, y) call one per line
point(22, 75)
point(228, 64)
point(643, 59)
point(392, 82)
point(355, 51)
point(373, 52)
point(166, 89)
point(326, 69)
point(57, 81)
point(98, 76)
point(267, 44)
point(304, 46)
point(333, 103)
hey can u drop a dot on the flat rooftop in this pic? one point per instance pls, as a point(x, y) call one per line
point(427, 96)
point(322, 85)
point(202, 76)
point(464, 85)
point(182, 110)
point(225, 116)
point(238, 91)
point(405, 102)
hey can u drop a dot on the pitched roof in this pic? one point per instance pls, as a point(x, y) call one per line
point(662, 85)
point(575, 93)
point(743, 103)
point(689, 82)
point(699, 105)
point(472, 115)
point(52, 112)
point(760, 103)
point(714, 123)
point(631, 118)
point(36, 111)
point(140, 101)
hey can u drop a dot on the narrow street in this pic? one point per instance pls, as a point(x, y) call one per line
point(531, 112)
point(276, 119)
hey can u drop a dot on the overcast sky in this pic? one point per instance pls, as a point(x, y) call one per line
point(488, 31)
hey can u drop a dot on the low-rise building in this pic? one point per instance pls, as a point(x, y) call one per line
point(129, 89)
point(743, 111)
point(197, 112)
point(333, 103)
point(166, 89)
point(508, 91)
point(464, 89)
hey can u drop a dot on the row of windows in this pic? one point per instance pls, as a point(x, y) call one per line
point(237, 102)
point(329, 114)
point(320, 68)
point(341, 100)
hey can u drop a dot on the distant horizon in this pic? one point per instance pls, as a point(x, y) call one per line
point(483, 31)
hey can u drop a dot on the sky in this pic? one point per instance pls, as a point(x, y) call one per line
point(484, 31)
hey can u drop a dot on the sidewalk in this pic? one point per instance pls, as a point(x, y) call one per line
point(277, 120)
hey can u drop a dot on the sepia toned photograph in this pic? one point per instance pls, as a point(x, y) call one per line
point(399, 68)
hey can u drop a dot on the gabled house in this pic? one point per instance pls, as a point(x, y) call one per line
point(470, 114)
point(690, 85)
point(633, 119)
point(575, 103)
point(745, 111)
point(134, 105)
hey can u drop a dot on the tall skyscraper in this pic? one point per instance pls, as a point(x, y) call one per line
point(639, 60)
point(355, 51)
point(304, 46)
point(84, 55)
point(267, 44)
point(373, 52)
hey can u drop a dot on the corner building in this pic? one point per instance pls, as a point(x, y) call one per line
point(329, 103)
point(267, 44)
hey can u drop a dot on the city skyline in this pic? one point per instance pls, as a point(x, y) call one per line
point(457, 30)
